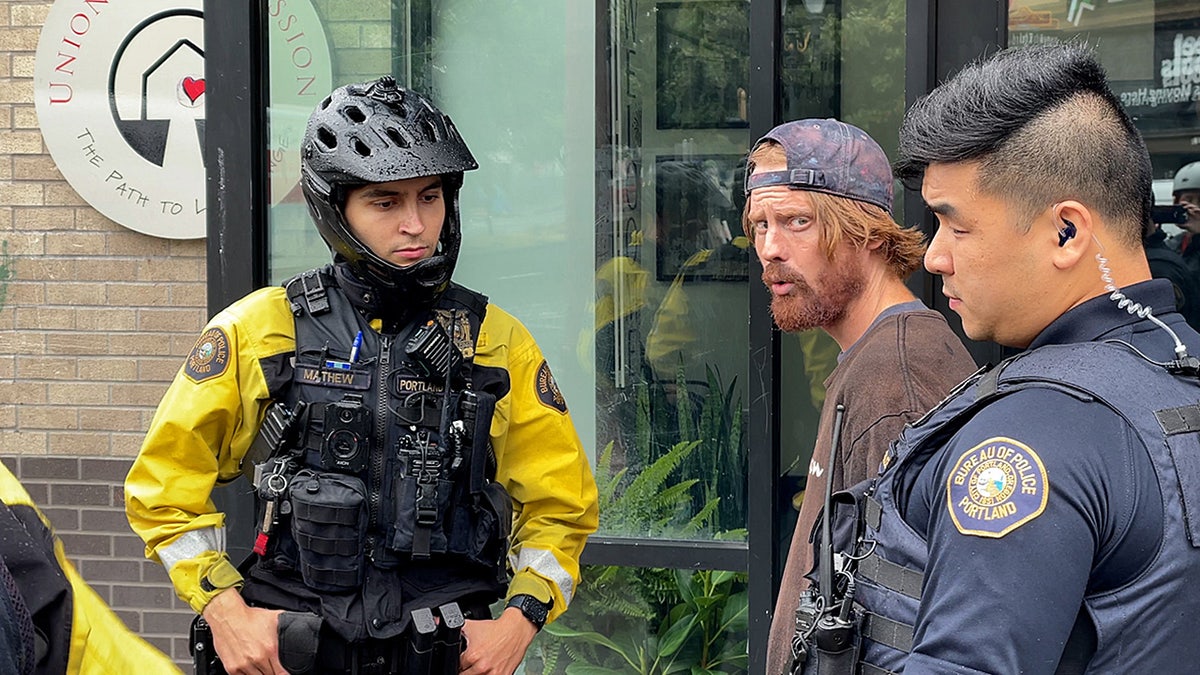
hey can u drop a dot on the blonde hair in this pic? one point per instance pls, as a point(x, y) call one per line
point(859, 223)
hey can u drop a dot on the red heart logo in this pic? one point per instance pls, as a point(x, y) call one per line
point(193, 88)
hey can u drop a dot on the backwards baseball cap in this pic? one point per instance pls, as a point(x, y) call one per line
point(831, 157)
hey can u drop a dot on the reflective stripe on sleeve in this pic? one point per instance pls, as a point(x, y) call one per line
point(191, 544)
point(544, 563)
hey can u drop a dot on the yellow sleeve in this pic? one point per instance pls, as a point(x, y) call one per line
point(541, 463)
point(100, 641)
point(201, 430)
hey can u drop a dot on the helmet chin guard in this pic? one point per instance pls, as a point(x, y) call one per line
point(378, 132)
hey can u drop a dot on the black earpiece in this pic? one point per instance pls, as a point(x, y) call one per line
point(1066, 233)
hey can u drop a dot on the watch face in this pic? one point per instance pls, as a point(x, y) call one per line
point(535, 610)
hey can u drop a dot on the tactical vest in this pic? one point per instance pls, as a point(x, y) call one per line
point(389, 498)
point(1132, 629)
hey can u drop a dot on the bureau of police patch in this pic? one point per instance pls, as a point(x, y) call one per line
point(996, 487)
point(547, 389)
point(210, 356)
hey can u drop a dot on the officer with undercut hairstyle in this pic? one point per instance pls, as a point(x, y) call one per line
point(1045, 517)
point(412, 457)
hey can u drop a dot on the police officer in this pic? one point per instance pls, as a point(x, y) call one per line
point(51, 621)
point(1043, 518)
point(394, 418)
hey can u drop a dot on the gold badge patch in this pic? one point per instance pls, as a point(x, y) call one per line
point(457, 325)
point(547, 389)
point(210, 356)
point(996, 487)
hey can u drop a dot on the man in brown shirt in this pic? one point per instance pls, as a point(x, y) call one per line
point(819, 197)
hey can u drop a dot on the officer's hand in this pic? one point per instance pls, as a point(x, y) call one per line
point(1193, 213)
point(496, 647)
point(246, 638)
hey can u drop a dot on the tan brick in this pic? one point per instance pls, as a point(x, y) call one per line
point(74, 294)
point(35, 167)
point(109, 369)
point(22, 194)
point(44, 318)
point(21, 143)
point(6, 170)
point(189, 295)
point(23, 66)
point(377, 35)
point(106, 319)
point(183, 343)
point(141, 344)
point(46, 269)
point(77, 444)
point(166, 269)
point(62, 194)
point(188, 248)
point(22, 392)
point(24, 443)
point(19, 39)
point(25, 244)
point(7, 320)
point(16, 90)
point(29, 14)
point(77, 344)
point(345, 35)
point(126, 242)
point(25, 342)
point(52, 417)
point(138, 394)
point(46, 368)
point(158, 370)
point(92, 220)
point(127, 445)
point(77, 393)
point(26, 293)
point(104, 269)
point(167, 320)
point(138, 295)
point(8, 416)
point(8, 367)
point(44, 218)
point(75, 243)
point(110, 419)
point(24, 117)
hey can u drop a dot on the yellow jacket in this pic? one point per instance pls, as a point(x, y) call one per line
point(99, 643)
point(211, 414)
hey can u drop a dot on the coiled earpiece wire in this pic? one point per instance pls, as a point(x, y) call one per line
point(1182, 364)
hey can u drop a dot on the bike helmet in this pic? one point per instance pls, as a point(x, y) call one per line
point(376, 132)
point(1187, 178)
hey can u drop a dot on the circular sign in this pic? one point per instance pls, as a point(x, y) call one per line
point(120, 93)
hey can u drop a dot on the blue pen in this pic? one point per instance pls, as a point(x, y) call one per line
point(355, 347)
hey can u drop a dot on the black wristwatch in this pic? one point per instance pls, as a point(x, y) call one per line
point(535, 610)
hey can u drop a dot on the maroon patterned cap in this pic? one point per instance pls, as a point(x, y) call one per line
point(831, 157)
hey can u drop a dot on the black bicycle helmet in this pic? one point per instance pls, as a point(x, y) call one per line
point(376, 132)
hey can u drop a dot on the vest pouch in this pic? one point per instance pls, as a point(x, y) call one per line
point(407, 522)
point(1185, 455)
point(329, 524)
point(481, 527)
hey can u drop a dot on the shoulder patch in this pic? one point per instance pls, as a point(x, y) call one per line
point(210, 356)
point(547, 389)
point(996, 487)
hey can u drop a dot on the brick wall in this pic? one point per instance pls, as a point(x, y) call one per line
point(95, 324)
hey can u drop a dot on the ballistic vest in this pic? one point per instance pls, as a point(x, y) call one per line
point(1144, 639)
point(390, 502)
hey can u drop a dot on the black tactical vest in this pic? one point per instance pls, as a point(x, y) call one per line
point(390, 504)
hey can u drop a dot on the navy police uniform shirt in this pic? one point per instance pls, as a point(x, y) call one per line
point(1003, 586)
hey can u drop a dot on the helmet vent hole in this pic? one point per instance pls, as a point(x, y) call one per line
point(326, 102)
point(354, 114)
point(430, 130)
point(326, 138)
point(361, 148)
point(397, 137)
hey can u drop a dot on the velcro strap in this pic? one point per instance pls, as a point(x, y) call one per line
point(325, 513)
point(873, 513)
point(887, 632)
point(335, 546)
point(420, 541)
point(1181, 420)
point(890, 575)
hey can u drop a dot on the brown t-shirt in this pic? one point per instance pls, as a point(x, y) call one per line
point(901, 367)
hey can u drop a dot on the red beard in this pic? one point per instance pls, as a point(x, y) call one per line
point(806, 307)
